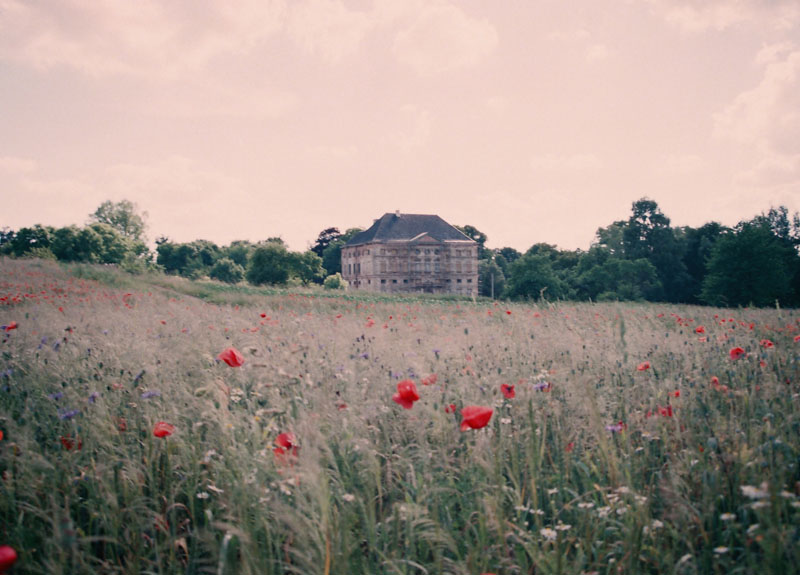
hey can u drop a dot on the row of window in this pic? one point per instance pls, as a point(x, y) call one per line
point(418, 251)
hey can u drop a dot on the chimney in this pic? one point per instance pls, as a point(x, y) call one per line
point(397, 213)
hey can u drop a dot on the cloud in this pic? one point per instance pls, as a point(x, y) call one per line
point(766, 120)
point(147, 37)
point(597, 53)
point(680, 163)
point(417, 129)
point(567, 163)
point(768, 114)
point(704, 15)
point(327, 27)
point(13, 166)
point(442, 38)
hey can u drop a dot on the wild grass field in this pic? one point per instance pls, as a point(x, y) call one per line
point(623, 438)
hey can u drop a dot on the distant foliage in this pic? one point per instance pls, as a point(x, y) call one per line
point(226, 270)
point(334, 282)
point(269, 264)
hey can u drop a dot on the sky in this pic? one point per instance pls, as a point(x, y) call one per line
point(531, 120)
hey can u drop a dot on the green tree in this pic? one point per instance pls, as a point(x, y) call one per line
point(474, 233)
point(27, 239)
point(324, 239)
point(332, 255)
point(113, 246)
point(124, 217)
point(239, 251)
point(698, 244)
point(749, 267)
point(491, 279)
point(269, 264)
point(532, 276)
point(647, 234)
point(226, 270)
point(64, 244)
point(306, 266)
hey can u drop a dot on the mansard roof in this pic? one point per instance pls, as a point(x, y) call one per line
point(408, 227)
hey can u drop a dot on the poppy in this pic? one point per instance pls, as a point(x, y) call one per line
point(797, 338)
point(508, 391)
point(475, 417)
point(715, 381)
point(450, 408)
point(644, 366)
point(430, 380)
point(7, 557)
point(736, 352)
point(69, 442)
point(765, 343)
point(665, 411)
point(287, 448)
point(677, 393)
point(700, 329)
point(163, 429)
point(406, 394)
point(263, 315)
point(10, 326)
point(232, 357)
point(1, 435)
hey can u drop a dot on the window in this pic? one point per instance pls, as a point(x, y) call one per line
point(458, 280)
point(405, 281)
point(428, 267)
point(383, 281)
point(469, 281)
point(394, 281)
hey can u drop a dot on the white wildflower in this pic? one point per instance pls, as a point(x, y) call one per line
point(720, 550)
point(753, 528)
point(585, 505)
point(759, 505)
point(349, 497)
point(549, 534)
point(727, 517)
point(203, 495)
point(755, 492)
point(563, 527)
point(604, 511)
point(552, 491)
point(505, 420)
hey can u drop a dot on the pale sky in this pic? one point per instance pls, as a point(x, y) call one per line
point(532, 120)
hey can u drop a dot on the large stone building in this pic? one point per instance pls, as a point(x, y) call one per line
point(411, 253)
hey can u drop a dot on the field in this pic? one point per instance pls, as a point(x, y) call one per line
point(637, 440)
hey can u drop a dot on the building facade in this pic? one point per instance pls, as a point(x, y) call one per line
point(411, 253)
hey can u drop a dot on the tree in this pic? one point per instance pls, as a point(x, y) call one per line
point(113, 246)
point(269, 264)
point(324, 239)
point(491, 279)
point(332, 255)
point(27, 239)
point(647, 234)
point(239, 251)
point(698, 244)
point(306, 266)
point(226, 270)
point(475, 234)
point(750, 267)
point(532, 276)
point(124, 217)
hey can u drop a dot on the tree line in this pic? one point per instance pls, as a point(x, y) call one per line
point(642, 258)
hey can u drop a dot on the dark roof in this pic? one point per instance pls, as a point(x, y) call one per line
point(407, 227)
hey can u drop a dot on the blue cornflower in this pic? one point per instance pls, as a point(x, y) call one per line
point(64, 414)
point(151, 393)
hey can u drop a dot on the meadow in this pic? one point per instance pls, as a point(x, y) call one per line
point(623, 438)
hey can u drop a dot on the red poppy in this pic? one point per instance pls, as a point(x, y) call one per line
point(475, 417)
point(406, 394)
point(287, 449)
point(69, 442)
point(736, 352)
point(665, 411)
point(644, 366)
point(163, 429)
point(430, 380)
point(450, 408)
point(263, 315)
point(232, 357)
point(10, 326)
point(570, 446)
point(765, 343)
point(715, 381)
point(677, 393)
point(797, 339)
point(508, 391)
point(7, 557)
point(700, 329)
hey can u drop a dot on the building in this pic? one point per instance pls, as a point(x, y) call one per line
point(411, 253)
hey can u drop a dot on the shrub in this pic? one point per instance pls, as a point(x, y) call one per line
point(334, 281)
point(226, 270)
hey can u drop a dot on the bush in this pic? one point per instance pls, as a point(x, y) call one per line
point(269, 264)
point(228, 271)
point(334, 281)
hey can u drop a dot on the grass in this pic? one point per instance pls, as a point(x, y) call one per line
point(545, 487)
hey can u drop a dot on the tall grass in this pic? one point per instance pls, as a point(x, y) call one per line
point(546, 487)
